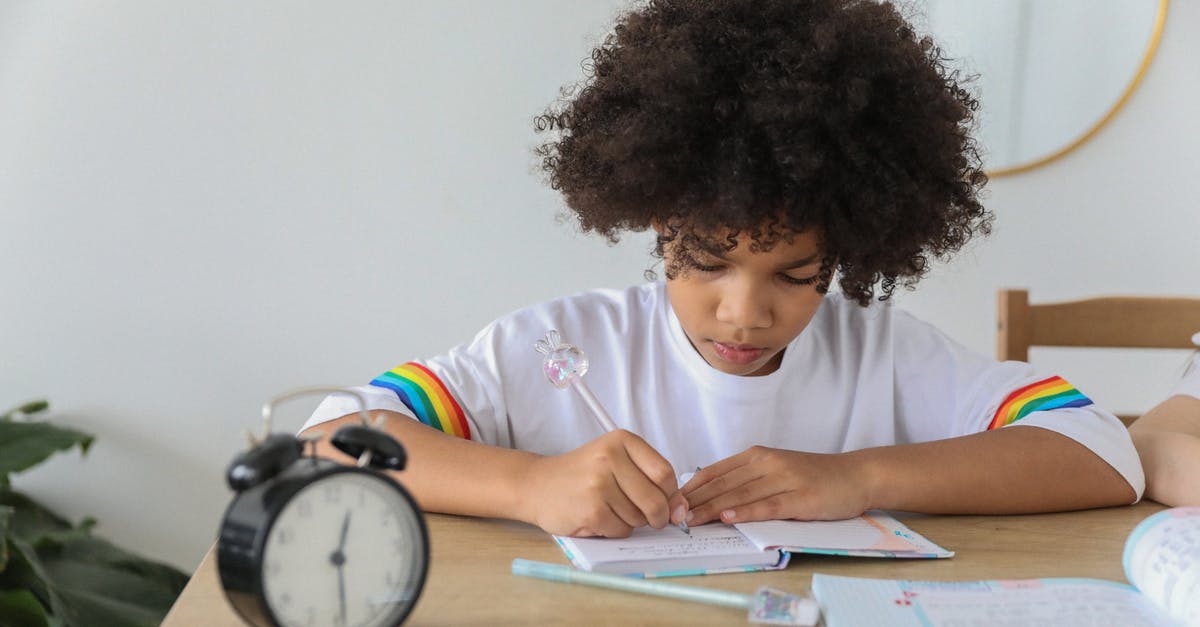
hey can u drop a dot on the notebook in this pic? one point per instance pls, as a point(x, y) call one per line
point(1162, 562)
point(718, 548)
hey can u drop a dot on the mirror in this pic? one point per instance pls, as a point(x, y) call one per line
point(1051, 74)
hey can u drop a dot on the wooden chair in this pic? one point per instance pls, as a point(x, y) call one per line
point(1107, 322)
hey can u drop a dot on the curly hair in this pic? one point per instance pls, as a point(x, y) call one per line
point(770, 117)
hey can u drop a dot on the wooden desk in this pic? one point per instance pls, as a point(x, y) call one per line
point(470, 584)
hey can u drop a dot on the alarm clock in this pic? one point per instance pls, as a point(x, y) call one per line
point(309, 541)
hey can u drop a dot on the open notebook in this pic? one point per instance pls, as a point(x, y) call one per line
point(1162, 562)
point(717, 547)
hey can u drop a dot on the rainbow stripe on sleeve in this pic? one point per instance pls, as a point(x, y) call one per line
point(427, 397)
point(1044, 395)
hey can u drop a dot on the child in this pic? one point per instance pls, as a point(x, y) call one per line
point(777, 148)
point(1168, 440)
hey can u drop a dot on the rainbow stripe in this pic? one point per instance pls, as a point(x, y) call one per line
point(427, 397)
point(1044, 395)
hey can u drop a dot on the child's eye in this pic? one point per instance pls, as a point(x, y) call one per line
point(809, 280)
point(705, 268)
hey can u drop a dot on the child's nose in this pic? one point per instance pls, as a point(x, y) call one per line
point(744, 307)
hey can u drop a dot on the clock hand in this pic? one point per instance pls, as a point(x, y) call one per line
point(339, 559)
point(342, 593)
point(345, 528)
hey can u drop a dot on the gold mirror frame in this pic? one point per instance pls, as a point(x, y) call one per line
point(1160, 18)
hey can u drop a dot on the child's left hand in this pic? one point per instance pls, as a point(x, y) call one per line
point(764, 483)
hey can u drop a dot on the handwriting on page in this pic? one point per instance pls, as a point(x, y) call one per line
point(1164, 562)
point(648, 543)
point(705, 540)
point(1044, 604)
point(1058, 602)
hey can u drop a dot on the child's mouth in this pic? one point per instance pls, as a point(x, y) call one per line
point(738, 354)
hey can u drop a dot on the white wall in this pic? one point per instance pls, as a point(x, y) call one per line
point(205, 204)
point(1117, 216)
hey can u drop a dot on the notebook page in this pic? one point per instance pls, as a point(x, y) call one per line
point(874, 532)
point(849, 601)
point(714, 545)
point(1162, 558)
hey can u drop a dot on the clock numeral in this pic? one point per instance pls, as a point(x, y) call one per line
point(389, 579)
point(274, 567)
point(284, 535)
point(285, 599)
point(399, 546)
point(362, 496)
point(333, 493)
point(304, 509)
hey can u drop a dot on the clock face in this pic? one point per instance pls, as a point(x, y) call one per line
point(347, 550)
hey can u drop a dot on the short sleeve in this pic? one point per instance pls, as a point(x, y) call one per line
point(338, 405)
point(1055, 404)
point(958, 392)
point(456, 393)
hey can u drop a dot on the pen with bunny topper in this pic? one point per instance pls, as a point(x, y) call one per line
point(564, 366)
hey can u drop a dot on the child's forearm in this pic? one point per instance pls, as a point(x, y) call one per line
point(1179, 413)
point(448, 474)
point(1168, 440)
point(1008, 471)
point(1172, 463)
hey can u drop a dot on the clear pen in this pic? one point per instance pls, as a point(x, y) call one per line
point(564, 365)
point(767, 605)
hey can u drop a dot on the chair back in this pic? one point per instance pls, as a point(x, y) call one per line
point(1104, 322)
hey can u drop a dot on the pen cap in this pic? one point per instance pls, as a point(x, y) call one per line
point(563, 361)
point(769, 606)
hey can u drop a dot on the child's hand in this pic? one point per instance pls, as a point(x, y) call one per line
point(607, 487)
point(772, 484)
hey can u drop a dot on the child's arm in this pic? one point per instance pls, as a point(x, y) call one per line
point(606, 487)
point(1168, 440)
point(1005, 471)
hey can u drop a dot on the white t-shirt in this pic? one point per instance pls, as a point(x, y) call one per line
point(856, 377)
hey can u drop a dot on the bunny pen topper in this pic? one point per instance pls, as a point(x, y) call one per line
point(565, 365)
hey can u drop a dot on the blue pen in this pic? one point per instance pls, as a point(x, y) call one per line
point(767, 605)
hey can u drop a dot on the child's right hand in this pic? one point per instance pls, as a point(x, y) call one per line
point(607, 487)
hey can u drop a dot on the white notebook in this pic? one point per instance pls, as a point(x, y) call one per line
point(717, 547)
point(1162, 562)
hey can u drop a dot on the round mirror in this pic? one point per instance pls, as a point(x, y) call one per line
point(1051, 74)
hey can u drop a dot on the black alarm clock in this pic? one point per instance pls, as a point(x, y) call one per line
point(309, 541)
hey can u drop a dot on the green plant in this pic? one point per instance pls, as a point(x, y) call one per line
point(54, 573)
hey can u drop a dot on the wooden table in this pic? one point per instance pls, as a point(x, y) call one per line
point(470, 583)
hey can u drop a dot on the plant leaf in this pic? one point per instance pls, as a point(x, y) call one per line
point(89, 581)
point(24, 572)
point(30, 521)
point(6, 513)
point(102, 584)
point(54, 573)
point(20, 607)
point(25, 444)
point(32, 407)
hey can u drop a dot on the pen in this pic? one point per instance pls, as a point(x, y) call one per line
point(766, 606)
point(683, 479)
point(565, 364)
point(566, 574)
point(604, 419)
point(593, 403)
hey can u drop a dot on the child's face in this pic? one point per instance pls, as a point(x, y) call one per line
point(741, 309)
